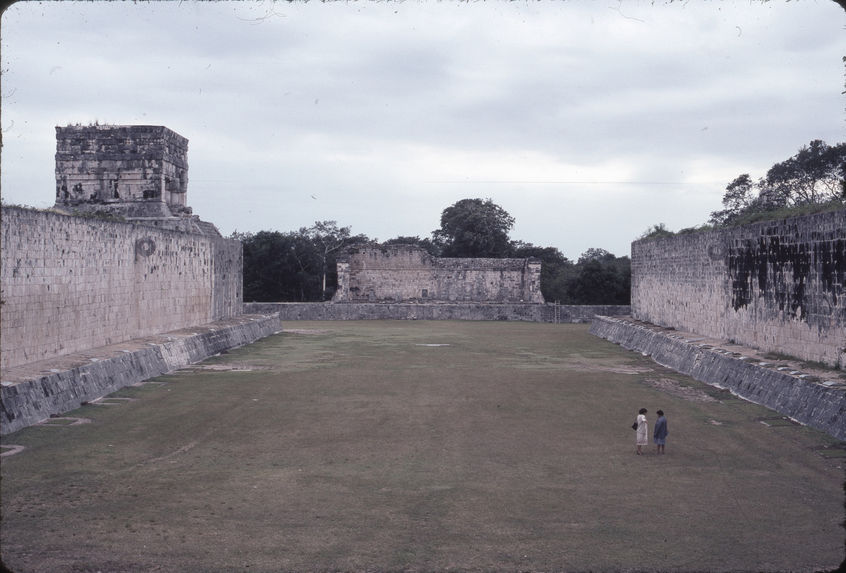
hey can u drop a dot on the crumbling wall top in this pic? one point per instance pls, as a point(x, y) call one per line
point(135, 172)
point(120, 164)
point(375, 273)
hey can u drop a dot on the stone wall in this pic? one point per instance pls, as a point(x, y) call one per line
point(227, 290)
point(401, 273)
point(776, 285)
point(435, 311)
point(72, 283)
point(59, 390)
point(142, 164)
point(137, 173)
point(815, 402)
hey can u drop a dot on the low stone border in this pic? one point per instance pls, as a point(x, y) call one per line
point(529, 312)
point(110, 401)
point(820, 404)
point(56, 391)
point(12, 450)
point(63, 421)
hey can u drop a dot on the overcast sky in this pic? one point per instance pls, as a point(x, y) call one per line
point(587, 121)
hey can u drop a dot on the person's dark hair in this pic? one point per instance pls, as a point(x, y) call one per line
point(660, 412)
point(642, 411)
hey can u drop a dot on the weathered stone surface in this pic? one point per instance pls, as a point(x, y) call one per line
point(121, 163)
point(403, 273)
point(29, 401)
point(72, 283)
point(810, 402)
point(137, 172)
point(775, 285)
point(435, 311)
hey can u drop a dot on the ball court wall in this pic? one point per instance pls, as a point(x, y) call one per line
point(775, 285)
point(75, 283)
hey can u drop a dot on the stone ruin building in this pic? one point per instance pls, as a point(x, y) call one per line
point(138, 265)
point(138, 173)
point(407, 273)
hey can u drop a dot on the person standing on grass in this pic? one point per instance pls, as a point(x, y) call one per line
point(642, 436)
point(659, 436)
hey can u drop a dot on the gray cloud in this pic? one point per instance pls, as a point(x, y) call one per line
point(586, 121)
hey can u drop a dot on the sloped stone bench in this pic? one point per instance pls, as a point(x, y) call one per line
point(818, 403)
point(34, 392)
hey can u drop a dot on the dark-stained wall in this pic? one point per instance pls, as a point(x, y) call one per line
point(775, 285)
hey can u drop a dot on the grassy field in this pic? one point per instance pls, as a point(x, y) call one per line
point(418, 446)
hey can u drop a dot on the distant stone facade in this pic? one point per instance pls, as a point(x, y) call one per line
point(779, 286)
point(136, 172)
point(406, 273)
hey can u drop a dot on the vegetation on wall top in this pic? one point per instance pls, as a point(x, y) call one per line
point(812, 181)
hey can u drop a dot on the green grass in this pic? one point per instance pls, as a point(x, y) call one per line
point(360, 446)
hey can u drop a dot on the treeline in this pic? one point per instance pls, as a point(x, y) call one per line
point(299, 266)
point(811, 181)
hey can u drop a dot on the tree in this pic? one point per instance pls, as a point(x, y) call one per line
point(595, 281)
point(623, 291)
point(556, 269)
point(740, 196)
point(279, 267)
point(425, 244)
point(474, 228)
point(328, 238)
point(599, 283)
point(292, 266)
point(599, 255)
point(816, 174)
point(600, 278)
point(658, 231)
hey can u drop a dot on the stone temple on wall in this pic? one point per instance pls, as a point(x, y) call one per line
point(138, 173)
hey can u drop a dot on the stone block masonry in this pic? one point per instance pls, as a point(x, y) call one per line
point(74, 283)
point(137, 173)
point(818, 403)
point(32, 393)
point(407, 273)
point(145, 165)
point(435, 311)
point(775, 285)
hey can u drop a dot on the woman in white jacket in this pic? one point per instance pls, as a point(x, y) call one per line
point(642, 436)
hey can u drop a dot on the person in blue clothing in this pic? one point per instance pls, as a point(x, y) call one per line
point(659, 434)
